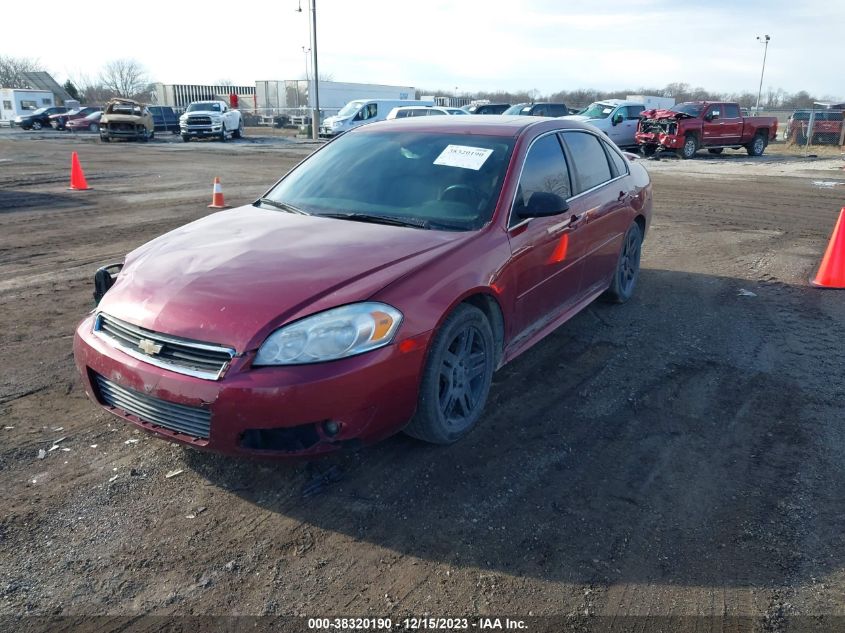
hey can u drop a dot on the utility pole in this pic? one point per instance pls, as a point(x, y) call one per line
point(315, 113)
point(765, 41)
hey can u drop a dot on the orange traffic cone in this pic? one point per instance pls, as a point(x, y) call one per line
point(77, 178)
point(217, 195)
point(831, 272)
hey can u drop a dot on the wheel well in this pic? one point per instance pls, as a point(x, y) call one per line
point(491, 309)
point(640, 220)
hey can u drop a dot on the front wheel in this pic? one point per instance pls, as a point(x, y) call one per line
point(36, 125)
point(223, 133)
point(627, 267)
point(456, 378)
point(93, 128)
point(690, 147)
point(186, 138)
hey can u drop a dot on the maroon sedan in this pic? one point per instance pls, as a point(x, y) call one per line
point(376, 287)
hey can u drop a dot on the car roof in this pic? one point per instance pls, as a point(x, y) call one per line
point(472, 124)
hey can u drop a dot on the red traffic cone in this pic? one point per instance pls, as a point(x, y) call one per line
point(831, 272)
point(217, 195)
point(77, 178)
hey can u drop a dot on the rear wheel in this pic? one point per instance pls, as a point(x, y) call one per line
point(628, 267)
point(239, 133)
point(757, 146)
point(456, 379)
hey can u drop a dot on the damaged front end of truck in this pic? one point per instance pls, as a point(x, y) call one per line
point(660, 130)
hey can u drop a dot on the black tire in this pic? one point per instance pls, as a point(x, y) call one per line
point(239, 133)
point(457, 375)
point(152, 135)
point(716, 150)
point(223, 133)
point(757, 146)
point(648, 150)
point(104, 139)
point(627, 267)
point(93, 128)
point(690, 147)
point(186, 138)
point(36, 125)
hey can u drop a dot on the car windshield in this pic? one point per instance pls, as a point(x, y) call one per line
point(350, 108)
point(515, 109)
point(205, 106)
point(125, 108)
point(433, 180)
point(40, 111)
point(597, 110)
point(692, 109)
point(94, 115)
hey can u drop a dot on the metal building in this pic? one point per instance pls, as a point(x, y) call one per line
point(180, 95)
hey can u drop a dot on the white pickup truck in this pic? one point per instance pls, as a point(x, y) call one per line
point(210, 118)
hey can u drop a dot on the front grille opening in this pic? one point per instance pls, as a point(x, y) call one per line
point(192, 421)
point(288, 439)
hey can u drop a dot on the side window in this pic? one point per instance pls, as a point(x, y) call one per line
point(620, 167)
point(544, 170)
point(433, 112)
point(634, 112)
point(47, 101)
point(7, 105)
point(539, 110)
point(714, 112)
point(589, 160)
point(731, 111)
point(556, 109)
point(372, 110)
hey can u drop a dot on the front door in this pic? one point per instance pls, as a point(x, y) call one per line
point(546, 252)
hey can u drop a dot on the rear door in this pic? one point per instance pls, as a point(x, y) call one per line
point(731, 125)
point(601, 202)
point(546, 252)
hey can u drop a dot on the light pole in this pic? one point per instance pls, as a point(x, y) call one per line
point(765, 41)
point(315, 113)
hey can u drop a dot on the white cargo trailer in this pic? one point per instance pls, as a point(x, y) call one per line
point(16, 102)
point(651, 102)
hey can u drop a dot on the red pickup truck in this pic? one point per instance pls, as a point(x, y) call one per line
point(688, 127)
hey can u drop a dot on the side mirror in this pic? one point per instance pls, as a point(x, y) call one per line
point(617, 118)
point(543, 204)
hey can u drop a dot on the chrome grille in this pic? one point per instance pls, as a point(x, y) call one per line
point(201, 360)
point(193, 421)
point(199, 120)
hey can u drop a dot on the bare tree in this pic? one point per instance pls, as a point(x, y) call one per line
point(13, 68)
point(125, 77)
point(91, 90)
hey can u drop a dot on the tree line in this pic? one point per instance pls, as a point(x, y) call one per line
point(771, 98)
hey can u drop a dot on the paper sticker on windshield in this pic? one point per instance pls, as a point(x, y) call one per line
point(463, 156)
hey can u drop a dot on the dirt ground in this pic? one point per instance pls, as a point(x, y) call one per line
point(680, 455)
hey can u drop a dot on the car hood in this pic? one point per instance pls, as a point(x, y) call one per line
point(664, 114)
point(202, 113)
point(576, 117)
point(123, 118)
point(233, 277)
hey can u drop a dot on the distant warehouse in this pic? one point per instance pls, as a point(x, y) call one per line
point(180, 95)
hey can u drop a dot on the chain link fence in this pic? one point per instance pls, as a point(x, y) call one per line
point(815, 127)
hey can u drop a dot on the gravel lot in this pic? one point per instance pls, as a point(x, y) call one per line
point(681, 455)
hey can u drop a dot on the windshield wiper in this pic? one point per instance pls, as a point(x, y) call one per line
point(284, 206)
point(378, 219)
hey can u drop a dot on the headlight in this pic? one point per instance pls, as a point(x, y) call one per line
point(337, 123)
point(336, 333)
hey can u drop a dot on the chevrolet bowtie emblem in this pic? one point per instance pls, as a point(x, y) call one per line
point(149, 347)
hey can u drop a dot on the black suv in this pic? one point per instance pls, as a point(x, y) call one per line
point(164, 119)
point(487, 108)
point(38, 118)
point(538, 109)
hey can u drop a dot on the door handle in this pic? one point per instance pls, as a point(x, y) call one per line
point(576, 220)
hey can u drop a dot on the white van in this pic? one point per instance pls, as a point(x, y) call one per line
point(363, 111)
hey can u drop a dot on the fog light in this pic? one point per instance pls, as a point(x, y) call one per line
point(331, 428)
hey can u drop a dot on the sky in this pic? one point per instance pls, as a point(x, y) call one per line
point(460, 46)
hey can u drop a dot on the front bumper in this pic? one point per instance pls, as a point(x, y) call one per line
point(370, 396)
point(671, 141)
point(107, 131)
point(200, 130)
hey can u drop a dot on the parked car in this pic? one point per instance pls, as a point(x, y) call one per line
point(827, 126)
point(164, 119)
point(59, 121)
point(690, 126)
point(126, 119)
point(617, 118)
point(335, 311)
point(486, 108)
point(538, 109)
point(404, 112)
point(90, 123)
point(38, 118)
point(210, 118)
